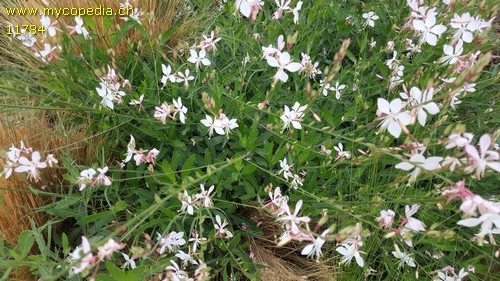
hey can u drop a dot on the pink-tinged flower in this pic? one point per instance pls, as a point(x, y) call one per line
point(314, 249)
point(249, 8)
point(106, 250)
point(452, 162)
point(270, 51)
point(220, 227)
point(48, 53)
point(308, 68)
point(51, 160)
point(151, 157)
point(370, 19)
point(163, 112)
point(167, 74)
point(386, 218)
point(452, 54)
point(418, 161)
point(392, 117)
point(459, 140)
point(283, 5)
point(204, 196)
point(490, 223)
point(349, 251)
point(293, 219)
point(277, 201)
point(102, 178)
point(471, 204)
point(171, 241)
point(293, 117)
point(79, 28)
point(81, 257)
point(198, 58)
point(283, 62)
point(486, 158)
point(31, 167)
point(226, 124)
point(208, 43)
point(450, 275)
point(430, 31)
point(341, 153)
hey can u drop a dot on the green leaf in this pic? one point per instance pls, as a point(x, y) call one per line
point(25, 243)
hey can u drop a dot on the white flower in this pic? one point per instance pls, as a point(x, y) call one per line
point(128, 262)
point(443, 276)
point(292, 218)
point(181, 109)
point(86, 178)
point(295, 12)
point(81, 255)
point(423, 101)
point(27, 38)
point(457, 140)
point(413, 224)
point(177, 273)
point(285, 169)
point(31, 167)
point(486, 158)
point(167, 74)
point(314, 249)
point(341, 152)
point(293, 117)
point(490, 223)
point(429, 164)
point(226, 124)
point(47, 54)
point(205, 196)
point(249, 8)
point(162, 112)
point(464, 25)
point(106, 94)
point(187, 203)
point(452, 54)
point(79, 28)
point(220, 227)
point(106, 250)
point(102, 178)
point(211, 124)
point(171, 241)
point(209, 43)
point(186, 258)
point(198, 58)
point(404, 258)
point(337, 89)
point(392, 116)
point(430, 31)
point(184, 77)
point(386, 218)
point(370, 18)
point(283, 62)
point(48, 25)
point(350, 251)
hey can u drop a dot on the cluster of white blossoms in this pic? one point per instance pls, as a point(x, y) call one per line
point(199, 200)
point(110, 88)
point(18, 160)
point(165, 111)
point(221, 125)
point(87, 178)
point(140, 155)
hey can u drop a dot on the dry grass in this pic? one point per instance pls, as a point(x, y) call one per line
point(282, 263)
